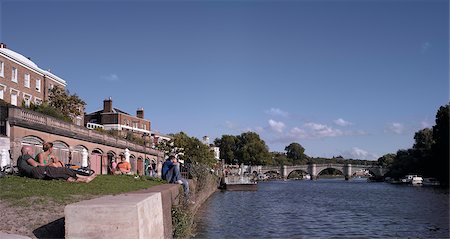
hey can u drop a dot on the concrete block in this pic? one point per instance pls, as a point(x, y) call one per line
point(121, 216)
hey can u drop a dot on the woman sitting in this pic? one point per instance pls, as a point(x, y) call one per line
point(45, 157)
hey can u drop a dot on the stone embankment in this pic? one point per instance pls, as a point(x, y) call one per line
point(142, 214)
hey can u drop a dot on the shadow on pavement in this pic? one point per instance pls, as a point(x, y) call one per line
point(54, 229)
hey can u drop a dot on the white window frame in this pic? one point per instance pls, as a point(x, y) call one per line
point(38, 86)
point(2, 90)
point(25, 97)
point(2, 69)
point(11, 90)
point(14, 73)
point(26, 80)
point(37, 100)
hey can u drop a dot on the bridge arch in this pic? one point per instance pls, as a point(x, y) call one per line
point(340, 170)
point(301, 171)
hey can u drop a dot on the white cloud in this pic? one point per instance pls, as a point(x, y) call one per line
point(320, 130)
point(111, 77)
point(298, 133)
point(342, 122)
point(396, 128)
point(277, 112)
point(276, 126)
point(358, 153)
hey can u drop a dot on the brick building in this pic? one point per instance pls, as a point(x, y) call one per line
point(22, 81)
point(110, 118)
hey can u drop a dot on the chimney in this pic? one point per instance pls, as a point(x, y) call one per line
point(107, 105)
point(140, 113)
point(2, 45)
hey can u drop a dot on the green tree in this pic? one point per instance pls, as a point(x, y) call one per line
point(423, 151)
point(440, 148)
point(251, 150)
point(296, 153)
point(279, 159)
point(386, 160)
point(69, 105)
point(192, 149)
point(228, 146)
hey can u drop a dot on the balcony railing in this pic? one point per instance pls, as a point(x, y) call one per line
point(34, 120)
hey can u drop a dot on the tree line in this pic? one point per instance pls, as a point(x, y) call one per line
point(429, 156)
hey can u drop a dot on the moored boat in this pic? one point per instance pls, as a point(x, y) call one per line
point(239, 183)
point(431, 182)
point(412, 179)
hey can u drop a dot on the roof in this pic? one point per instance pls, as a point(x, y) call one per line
point(30, 64)
point(115, 111)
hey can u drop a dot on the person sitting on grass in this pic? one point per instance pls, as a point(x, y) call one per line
point(30, 168)
point(45, 157)
point(171, 173)
point(123, 167)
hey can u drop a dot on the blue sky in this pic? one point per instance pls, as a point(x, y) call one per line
point(350, 78)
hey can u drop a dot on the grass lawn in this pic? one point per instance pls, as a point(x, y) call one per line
point(20, 191)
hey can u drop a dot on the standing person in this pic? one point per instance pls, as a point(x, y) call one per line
point(171, 173)
point(45, 157)
point(29, 167)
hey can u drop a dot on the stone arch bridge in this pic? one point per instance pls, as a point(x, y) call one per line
point(348, 170)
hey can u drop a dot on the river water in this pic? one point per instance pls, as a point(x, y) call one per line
point(326, 208)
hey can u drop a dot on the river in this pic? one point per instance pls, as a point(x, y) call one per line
point(326, 208)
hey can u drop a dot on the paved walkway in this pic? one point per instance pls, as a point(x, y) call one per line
point(12, 236)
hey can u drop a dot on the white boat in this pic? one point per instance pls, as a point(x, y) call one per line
point(412, 179)
point(430, 182)
point(416, 180)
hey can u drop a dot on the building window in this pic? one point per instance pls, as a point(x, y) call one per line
point(2, 69)
point(37, 101)
point(26, 80)
point(38, 85)
point(2, 91)
point(27, 99)
point(14, 74)
point(14, 93)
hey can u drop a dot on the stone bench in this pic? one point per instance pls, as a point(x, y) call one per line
point(141, 214)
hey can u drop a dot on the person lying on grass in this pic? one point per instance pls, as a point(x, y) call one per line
point(30, 168)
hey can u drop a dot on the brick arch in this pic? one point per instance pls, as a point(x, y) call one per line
point(34, 141)
point(61, 150)
point(97, 151)
point(77, 154)
point(133, 162)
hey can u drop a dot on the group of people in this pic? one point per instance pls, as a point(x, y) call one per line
point(123, 167)
point(47, 166)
